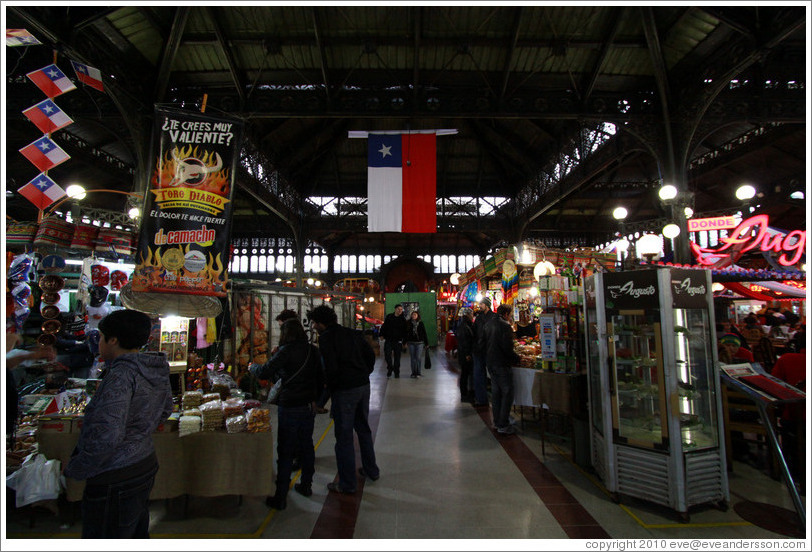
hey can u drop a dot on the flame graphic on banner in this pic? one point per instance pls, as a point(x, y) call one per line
point(188, 167)
point(152, 275)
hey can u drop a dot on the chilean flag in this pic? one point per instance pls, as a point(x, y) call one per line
point(42, 191)
point(51, 80)
point(88, 75)
point(44, 154)
point(47, 116)
point(402, 183)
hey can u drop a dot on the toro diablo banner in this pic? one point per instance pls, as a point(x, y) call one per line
point(183, 245)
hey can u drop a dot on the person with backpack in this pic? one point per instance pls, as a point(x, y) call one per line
point(348, 361)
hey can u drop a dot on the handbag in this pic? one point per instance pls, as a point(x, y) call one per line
point(273, 392)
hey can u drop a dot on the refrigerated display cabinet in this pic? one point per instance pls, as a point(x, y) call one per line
point(654, 389)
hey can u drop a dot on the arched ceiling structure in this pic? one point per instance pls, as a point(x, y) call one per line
point(562, 112)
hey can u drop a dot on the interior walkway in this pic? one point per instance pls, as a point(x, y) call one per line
point(444, 474)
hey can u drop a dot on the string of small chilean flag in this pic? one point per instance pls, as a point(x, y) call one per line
point(46, 115)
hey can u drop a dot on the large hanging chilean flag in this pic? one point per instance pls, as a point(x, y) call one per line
point(402, 185)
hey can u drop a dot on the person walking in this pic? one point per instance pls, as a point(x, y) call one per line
point(480, 344)
point(348, 361)
point(115, 454)
point(416, 340)
point(465, 353)
point(298, 365)
point(393, 331)
point(500, 358)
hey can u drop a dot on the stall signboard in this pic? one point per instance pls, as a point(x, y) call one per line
point(547, 336)
point(753, 233)
point(689, 288)
point(184, 238)
point(631, 290)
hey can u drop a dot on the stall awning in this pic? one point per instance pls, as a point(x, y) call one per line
point(766, 291)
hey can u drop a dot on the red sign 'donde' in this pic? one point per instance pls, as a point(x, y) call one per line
point(753, 233)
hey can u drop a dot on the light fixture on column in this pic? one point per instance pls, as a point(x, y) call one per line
point(716, 287)
point(75, 191)
point(745, 192)
point(649, 246)
point(671, 231)
point(134, 212)
point(620, 213)
point(667, 192)
point(688, 212)
point(454, 279)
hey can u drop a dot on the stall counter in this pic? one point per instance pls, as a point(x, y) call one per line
point(208, 463)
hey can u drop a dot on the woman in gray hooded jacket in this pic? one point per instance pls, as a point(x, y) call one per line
point(115, 454)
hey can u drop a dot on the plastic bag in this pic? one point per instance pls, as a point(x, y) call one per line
point(259, 420)
point(273, 392)
point(236, 424)
point(188, 424)
point(37, 479)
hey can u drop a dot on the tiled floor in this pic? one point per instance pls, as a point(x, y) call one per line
point(444, 474)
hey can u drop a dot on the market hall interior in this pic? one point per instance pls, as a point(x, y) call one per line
point(445, 474)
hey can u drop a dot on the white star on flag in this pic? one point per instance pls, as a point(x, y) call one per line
point(384, 151)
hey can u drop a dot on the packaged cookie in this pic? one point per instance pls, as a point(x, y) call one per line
point(236, 424)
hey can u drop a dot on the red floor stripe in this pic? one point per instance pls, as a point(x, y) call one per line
point(340, 512)
point(574, 519)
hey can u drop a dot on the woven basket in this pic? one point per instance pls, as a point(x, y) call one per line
point(54, 231)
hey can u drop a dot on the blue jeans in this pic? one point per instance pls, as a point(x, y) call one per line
point(502, 395)
point(391, 354)
point(351, 412)
point(294, 440)
point(416, 356)
point(480, 381)
point(118, 510)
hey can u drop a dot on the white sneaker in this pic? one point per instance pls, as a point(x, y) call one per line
point(509, 430)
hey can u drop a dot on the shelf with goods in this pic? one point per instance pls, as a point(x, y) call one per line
point(559, 306)
point(653, 389)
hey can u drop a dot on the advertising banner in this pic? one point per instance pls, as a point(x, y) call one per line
point(184, 239)
point(631, 290)
point(547, 336)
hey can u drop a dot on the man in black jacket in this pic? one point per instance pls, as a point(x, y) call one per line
point(393, 330)
point(465, 352)
point(480, 345)
point(348, 361)
point(500, 358)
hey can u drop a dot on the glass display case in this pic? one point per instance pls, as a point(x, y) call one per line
point(655, 406)
point(174, 341)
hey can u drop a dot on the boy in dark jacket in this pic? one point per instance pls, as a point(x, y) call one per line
point(500, 359)
point(348, 361)
point(115, 453)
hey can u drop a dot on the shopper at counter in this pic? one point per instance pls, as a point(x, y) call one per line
point(480, 350)
point(298, 365)
point(500, 357)
point(115, 453)
point(416, 340)
point(348, 361)
point(393, 331)
point(525, 327)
